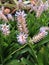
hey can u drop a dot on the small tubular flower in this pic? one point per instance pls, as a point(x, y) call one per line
point(10, 17)
point(20, 14)
point(22, 38)
point(44, 29)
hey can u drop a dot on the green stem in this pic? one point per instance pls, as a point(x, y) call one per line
point(34, 54)
point(15, 52)
point(1, 60)
point(1, 54)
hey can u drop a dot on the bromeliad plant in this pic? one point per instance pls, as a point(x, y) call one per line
point(24, 39)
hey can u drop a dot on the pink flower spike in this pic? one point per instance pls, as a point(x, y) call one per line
point(40, 10)
point(39, 36)
point(5, 29)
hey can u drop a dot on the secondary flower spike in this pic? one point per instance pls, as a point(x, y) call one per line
point(39, 36)
point(42, 33)
point(5, 29)
point(40, 10)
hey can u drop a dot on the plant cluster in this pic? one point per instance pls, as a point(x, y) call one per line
point(24, 32)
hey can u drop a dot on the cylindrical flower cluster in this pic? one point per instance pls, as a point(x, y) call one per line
point(38, 37)
point(40, 10)
point(22, 26)
point(5, 29)
point(43, 32)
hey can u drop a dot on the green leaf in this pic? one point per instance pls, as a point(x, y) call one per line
point(14, 62)
point(26, 62)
